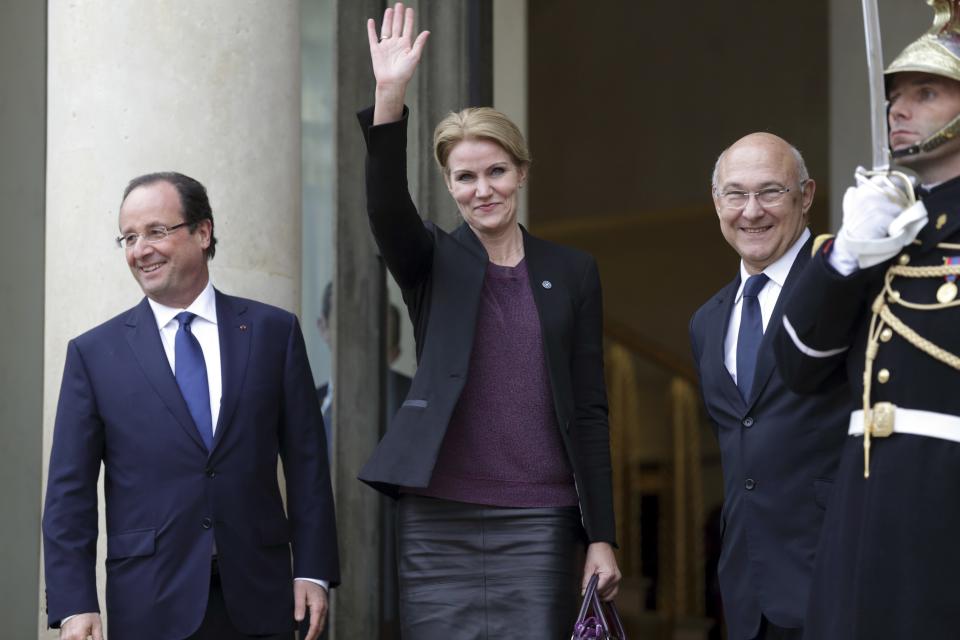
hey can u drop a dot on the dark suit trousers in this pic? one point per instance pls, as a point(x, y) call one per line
point(216, 623)
point(770, 631)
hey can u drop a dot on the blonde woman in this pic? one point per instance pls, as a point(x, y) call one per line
point(500, 454)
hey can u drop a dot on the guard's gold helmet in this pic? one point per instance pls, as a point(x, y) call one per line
point(936, 52)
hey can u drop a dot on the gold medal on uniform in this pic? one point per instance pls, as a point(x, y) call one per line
point(948, 290)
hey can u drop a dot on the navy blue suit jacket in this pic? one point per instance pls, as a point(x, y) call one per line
point(779, 452)
point(168, 499)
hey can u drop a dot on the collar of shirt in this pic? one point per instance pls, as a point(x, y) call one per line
point(327, 399)
point(205, 306)
point(205, 330)
point(778, 270)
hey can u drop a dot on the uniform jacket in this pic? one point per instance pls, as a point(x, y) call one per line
point(441, 275)
point(779, 452)
point(889, 559)
point(168, 499)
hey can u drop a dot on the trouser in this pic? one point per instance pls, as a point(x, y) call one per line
point(216, 623)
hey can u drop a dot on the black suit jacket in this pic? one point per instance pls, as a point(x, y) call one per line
point(440, 276)
point(779, 452)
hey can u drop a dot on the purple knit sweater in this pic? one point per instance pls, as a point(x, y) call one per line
point(502, 446)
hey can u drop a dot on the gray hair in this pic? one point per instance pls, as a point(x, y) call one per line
point(802, 172)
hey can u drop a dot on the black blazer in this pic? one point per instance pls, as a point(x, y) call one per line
point(779, 453)
point(441, 276)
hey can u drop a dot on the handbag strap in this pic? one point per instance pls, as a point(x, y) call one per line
point(618, 630)
point(588, 597)
point(603, 610)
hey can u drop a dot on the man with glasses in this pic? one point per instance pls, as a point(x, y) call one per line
point(880, 304)
point(778, 450)
point(187, 400)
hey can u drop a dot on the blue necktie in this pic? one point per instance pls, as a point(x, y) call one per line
point(751, 333)
point(191, 374)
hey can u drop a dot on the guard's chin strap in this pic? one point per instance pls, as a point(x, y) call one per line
point(946, 133)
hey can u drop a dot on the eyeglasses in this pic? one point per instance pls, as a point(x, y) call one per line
point(770, 197)
point(152, 235)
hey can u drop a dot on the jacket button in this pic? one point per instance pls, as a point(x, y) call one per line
point(883, 376)
point(210, 473)
point(886, 335)
point(206, 523)
point(749, 484)
point(748, 422)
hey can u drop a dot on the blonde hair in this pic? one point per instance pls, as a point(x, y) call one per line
point(481, 123)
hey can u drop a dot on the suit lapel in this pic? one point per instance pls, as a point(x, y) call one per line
point(235, 331)
point(716, 339)
point(465, 236)
point(765, 359)
point(539, 272)
point(144, 340)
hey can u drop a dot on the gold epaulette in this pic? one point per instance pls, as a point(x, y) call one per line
point(818, 242)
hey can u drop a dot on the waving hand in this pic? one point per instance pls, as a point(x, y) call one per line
point(395, 56)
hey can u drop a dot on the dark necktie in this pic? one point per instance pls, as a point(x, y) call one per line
point(191, 374)
point(751, 333)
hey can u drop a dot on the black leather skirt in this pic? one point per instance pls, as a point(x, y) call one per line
point(472, 572)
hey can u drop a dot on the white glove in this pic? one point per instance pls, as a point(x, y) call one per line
point(878, 221)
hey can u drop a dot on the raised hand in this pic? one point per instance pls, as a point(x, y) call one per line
point(395, 56)
point(880, 217)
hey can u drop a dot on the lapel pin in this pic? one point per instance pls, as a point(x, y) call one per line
point(547, 284)
point(941, 221)
point(243, 327)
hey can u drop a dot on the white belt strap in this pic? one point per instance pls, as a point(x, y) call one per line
point(915, 422)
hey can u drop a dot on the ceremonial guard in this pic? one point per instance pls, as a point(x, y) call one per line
point(881, 299)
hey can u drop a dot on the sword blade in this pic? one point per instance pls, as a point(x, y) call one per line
point(880, 143)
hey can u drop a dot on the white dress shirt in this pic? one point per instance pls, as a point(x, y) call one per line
point(777, 273)
point(204, 327)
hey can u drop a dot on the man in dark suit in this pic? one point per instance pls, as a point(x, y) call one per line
point(779, 451)
point(186, 400)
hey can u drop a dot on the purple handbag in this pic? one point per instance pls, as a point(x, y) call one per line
point(598, 620)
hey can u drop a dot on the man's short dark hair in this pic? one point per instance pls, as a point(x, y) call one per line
point(193, 199)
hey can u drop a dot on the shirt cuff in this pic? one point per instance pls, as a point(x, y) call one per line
point(323, 583)
point(63, 621)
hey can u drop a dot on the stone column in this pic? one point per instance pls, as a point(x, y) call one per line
point(510, 70)
point(210, 89)
point(358, 354)
point(456, 72)
point(22, 129)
